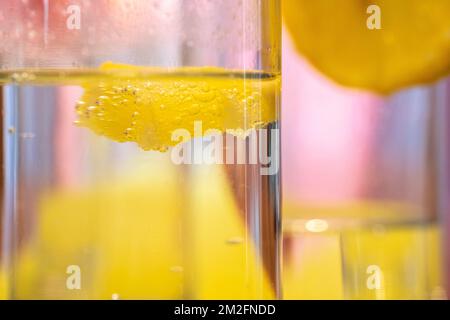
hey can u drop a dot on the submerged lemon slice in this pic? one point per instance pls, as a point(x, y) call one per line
point(412, 46)
point(148, 104)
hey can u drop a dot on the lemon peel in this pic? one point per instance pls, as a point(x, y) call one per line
point(146, 105)
point(411, 47)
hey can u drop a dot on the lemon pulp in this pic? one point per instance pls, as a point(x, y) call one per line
point(148, 109)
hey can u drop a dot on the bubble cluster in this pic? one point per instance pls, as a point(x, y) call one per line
point(146, 110)
point(22, 77)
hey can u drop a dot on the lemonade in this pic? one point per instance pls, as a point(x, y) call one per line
point(100, 208)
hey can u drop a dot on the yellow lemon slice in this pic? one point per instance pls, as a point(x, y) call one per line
point(381, 45)
point(146, 105)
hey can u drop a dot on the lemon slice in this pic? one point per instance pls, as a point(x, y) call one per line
point(412, 47)
point(146, 105)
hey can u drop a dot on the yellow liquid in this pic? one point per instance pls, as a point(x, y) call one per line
point(112, 202)
point(335, 256)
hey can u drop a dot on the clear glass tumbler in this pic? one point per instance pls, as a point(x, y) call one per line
point(141, 149)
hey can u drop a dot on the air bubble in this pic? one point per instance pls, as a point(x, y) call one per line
point(79, 105)
point(234, 241)
point(206, 96)
point(129, 131)
point(259, 124)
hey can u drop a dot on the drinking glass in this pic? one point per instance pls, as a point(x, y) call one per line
point(141, 149)
point(364, 188)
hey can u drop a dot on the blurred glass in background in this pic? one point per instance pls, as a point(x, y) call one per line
point(364, 180)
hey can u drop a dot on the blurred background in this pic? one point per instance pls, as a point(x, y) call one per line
point(365, 184)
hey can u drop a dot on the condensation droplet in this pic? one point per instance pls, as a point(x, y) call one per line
point(259, 124)
point(80, 104)
point(128, 131)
